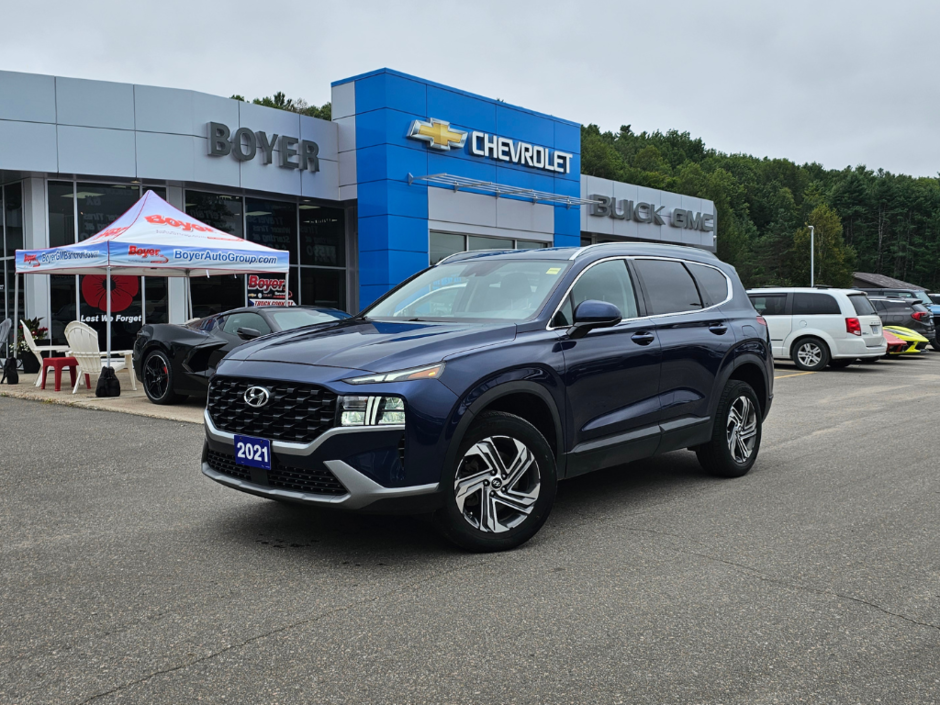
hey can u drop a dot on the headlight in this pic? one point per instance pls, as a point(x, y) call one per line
point(426, 372)
point(371, 411)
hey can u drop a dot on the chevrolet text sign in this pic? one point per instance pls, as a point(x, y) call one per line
point(522, 153)
point(623, 209)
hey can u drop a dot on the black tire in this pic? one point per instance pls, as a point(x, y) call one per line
point(840, 364)
point(871, 360)
point(497, 433)
point(814, 353)
point(158, 379)
point(935, 345)
point(716, 456)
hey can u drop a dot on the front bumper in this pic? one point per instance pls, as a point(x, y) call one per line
point(358, 491)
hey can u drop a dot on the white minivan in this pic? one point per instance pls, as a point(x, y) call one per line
point(821, 326)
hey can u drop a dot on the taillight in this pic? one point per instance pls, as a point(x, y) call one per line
point(919, 316)
point(762, 320)
point(853, 326)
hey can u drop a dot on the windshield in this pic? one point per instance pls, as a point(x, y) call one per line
point(505, 290)
point(296, 317)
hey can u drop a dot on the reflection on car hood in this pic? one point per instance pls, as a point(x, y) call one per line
point(373, 346)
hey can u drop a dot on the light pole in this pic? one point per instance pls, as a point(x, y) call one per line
point(812, 252)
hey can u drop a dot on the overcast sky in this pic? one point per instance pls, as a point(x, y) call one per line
point(840, 83)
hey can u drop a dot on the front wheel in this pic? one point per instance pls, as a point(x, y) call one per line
point(935, 345)
point(736, 436)
point(501, 487)
point(158, 379)
point(810, 354)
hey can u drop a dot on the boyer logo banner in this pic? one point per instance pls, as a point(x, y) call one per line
point(268, 290)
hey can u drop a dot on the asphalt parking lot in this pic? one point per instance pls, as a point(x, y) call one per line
point(127, 577)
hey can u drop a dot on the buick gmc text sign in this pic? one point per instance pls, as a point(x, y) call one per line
point(624, 209)
point(244, 145)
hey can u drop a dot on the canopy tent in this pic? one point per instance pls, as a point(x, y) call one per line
point(153, 239)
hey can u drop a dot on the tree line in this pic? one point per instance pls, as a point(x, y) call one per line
point(864, 220)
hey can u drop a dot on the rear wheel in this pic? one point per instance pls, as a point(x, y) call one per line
point(502, 485)
point(871, 360)
point(840, 364)
point(158, 379)
point(935, 345)
point(736, 436)
point(810, 354)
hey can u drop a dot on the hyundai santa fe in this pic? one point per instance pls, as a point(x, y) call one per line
point(470, 390)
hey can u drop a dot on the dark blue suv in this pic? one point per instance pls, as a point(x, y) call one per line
point(472, 388)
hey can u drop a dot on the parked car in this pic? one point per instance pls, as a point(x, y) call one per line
point(819, 327)
point(918, 294)
point(909, 314)
point(546, 364)
point(176, 361)
point(896, 345)
point(934, 298)
point(914, 342)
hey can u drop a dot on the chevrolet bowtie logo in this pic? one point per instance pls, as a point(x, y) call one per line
point(438, 134)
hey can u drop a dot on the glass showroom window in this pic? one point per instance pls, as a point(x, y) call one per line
point(76, 212)
point(273, 224)
point(226, 213)
point(11, 239)
point(445, 244)
point(322, 256)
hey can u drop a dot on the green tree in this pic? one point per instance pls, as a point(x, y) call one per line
point(834, 260)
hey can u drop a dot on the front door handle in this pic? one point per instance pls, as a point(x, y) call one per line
point(643, 338)
point(718, 328)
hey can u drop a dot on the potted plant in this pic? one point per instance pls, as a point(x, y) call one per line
point(39, 332)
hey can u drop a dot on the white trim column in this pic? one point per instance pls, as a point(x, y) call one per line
point(176, 288)
point(35, 287)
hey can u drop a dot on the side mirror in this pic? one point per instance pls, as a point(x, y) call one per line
point(248, 333)
point(593, 314)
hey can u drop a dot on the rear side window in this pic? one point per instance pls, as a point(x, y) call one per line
point(669, 286)
point(769, 304)
point(897, 305)
point(246, 320)
point(880, 305)
point(607, 281)
point(862, 305)
point(712, 284)
point(815, 305)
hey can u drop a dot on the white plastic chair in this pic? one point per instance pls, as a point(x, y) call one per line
point(38, 350)
point(4, 335)
point(83, 346)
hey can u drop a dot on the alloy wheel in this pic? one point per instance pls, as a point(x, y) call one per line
point(497, 484)
point(810, 354)
point(156, 377)
point(742, 429)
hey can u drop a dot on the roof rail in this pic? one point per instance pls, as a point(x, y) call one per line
point(470, 254)
point(581, 250)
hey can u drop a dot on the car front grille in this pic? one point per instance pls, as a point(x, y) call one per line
point(296, 413)
point(280, 476)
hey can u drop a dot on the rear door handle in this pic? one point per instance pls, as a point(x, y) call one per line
point(643, 338)
point(718, 328)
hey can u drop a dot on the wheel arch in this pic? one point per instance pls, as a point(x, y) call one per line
point(523, 398)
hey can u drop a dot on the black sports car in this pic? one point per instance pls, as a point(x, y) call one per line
point(176, 361)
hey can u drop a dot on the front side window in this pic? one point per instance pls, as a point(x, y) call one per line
point(769, 304)
point(477, 289)
point(805, 304)
point(669, 286)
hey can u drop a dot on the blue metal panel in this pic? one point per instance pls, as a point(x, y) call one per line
point(567, 227)
point(459, 107)
point(529, 178)
point(470, 167)
point(522, 125)
point(386, 127)
point(567, 137)
point(392, 232)
point(391, 91)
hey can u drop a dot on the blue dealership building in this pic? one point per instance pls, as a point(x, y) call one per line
point(406, 172)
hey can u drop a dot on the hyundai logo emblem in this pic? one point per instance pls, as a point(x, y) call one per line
point(257, 396)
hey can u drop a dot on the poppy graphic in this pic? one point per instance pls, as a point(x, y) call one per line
point(123, 291)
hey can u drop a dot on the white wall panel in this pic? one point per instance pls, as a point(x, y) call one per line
point(94, 151)
point(169, 157)
point(94, 103)
point(461, 207)
point(344, 100)
point(324, 183)
point(28, 146)
point(27, 96)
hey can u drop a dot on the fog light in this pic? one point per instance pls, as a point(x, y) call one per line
point(371, 411)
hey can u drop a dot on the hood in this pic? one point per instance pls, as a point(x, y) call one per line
point(373, 346)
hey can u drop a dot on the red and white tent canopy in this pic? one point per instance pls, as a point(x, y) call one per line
point(155, 239)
